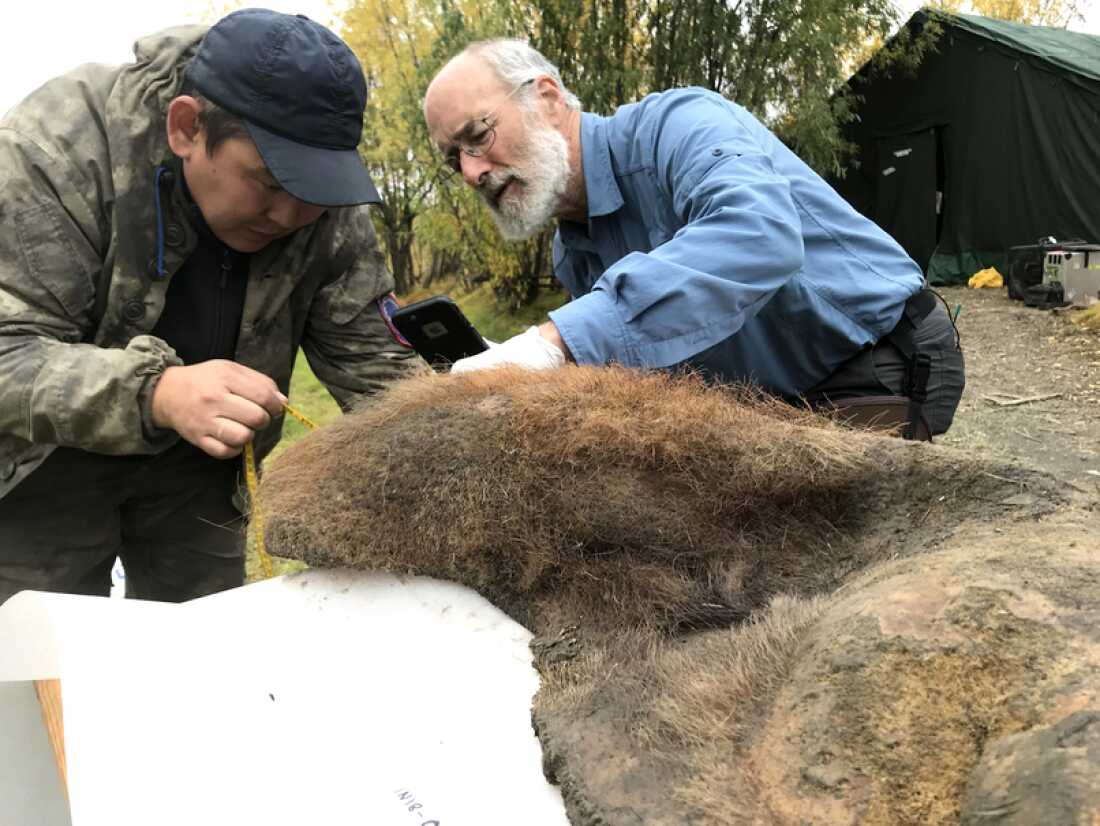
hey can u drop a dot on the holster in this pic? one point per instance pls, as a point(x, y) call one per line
point(903, 336)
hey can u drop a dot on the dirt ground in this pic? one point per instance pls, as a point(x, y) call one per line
point(1015, 352)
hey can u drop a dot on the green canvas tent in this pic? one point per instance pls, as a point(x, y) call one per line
point(993, 142)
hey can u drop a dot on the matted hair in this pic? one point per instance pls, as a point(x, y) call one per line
point(515, 62)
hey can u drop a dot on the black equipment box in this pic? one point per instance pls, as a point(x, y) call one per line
point(1025, 264)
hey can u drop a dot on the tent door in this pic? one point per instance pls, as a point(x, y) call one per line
point(906, 201)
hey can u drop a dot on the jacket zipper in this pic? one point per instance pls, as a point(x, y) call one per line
point(216, 344)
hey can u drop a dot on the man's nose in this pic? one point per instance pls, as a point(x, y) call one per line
point(474, 168)
point(289, 213)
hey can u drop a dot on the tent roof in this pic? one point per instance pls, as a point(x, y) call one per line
point(1073, 51)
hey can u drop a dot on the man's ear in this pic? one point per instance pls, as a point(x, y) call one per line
point(184, 130)
point(551, 99)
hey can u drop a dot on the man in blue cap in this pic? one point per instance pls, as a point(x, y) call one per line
point(174, 230)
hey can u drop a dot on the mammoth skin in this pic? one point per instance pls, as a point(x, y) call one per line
point(744, 613)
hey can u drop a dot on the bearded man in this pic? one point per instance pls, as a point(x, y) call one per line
point(689, 235)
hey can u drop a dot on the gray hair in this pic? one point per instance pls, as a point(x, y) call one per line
point(515, 62)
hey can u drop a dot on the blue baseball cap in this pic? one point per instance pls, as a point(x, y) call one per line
point(300, 91)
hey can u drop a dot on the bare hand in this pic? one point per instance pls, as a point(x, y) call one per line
point(216, 405)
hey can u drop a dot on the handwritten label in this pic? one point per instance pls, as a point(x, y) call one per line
point(415, 808)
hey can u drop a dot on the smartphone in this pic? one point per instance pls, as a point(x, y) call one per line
point(438, 331)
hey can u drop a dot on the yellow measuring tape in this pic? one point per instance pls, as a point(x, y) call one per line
point(256, 517)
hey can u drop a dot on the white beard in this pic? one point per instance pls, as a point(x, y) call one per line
point(540, 180)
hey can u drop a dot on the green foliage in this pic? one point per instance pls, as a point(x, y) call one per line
point(1058, 13)
point(599, 47)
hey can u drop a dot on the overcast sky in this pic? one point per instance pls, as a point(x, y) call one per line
point(43, 38)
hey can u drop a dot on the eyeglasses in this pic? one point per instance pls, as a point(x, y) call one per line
point(478, 137)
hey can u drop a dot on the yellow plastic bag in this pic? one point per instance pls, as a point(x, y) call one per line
point(1090, 318)
point(986, 278)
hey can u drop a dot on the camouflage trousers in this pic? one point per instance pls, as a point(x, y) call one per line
point(168, 517)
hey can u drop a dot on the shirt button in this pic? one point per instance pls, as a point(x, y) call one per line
point(173, 235)
point(716, 152)
point(133, 310)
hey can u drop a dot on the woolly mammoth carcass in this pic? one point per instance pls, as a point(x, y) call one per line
point(744, 613)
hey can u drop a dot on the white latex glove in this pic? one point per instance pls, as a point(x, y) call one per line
point(529, 349)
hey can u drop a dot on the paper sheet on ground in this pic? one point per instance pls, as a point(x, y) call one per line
point(322, 697)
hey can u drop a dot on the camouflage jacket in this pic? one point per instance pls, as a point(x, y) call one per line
point(78, 221)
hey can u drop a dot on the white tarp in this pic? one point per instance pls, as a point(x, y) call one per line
point(320, 698)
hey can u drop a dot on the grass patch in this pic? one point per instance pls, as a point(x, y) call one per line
point(310, 398)
point(481, 308)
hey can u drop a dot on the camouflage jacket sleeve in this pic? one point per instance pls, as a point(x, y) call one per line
point(347, 340)
point(55, 387)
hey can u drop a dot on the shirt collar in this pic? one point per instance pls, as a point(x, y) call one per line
point(601, 188)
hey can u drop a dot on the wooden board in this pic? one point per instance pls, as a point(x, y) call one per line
point(49, 697)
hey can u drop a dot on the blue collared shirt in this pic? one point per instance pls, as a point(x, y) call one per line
point(709, 243)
